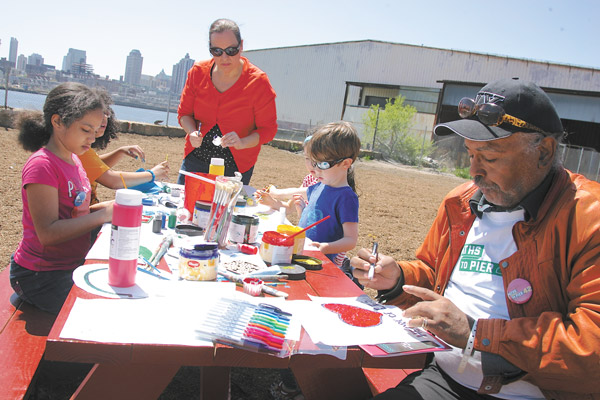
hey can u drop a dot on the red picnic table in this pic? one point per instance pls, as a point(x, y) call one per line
point(143, 371)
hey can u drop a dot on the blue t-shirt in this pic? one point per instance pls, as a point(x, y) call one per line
point(341, 203)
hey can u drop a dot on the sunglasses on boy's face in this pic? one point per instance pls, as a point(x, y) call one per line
point(230, 51)
point(323, 165)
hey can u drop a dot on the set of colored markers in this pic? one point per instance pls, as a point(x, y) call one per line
point(260, 328)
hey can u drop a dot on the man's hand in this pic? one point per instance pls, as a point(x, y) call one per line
point(387, 271)
point(444, 319)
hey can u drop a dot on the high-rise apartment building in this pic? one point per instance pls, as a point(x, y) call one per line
point(35, 59)
point(21, 62)
point(74, 58)
point(179, 75)
point(12, 55)
point(133, 68)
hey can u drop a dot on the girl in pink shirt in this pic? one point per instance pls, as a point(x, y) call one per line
point(56, 195)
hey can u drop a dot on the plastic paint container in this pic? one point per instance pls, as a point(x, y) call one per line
point(201, 214)
point(252, 286)
point(298, 240)
point(125, 238)
point(199, 263)
point(217, 166)
point(243, 228)
point(276, 248)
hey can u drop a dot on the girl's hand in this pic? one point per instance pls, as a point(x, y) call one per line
point(161, 171)
point(268, 200)
point(104, 208)
point(134, 152)
point(195, 138)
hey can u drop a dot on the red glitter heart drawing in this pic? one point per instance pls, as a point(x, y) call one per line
point(355, 316)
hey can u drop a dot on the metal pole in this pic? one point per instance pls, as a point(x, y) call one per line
point(6, 88)
point(375, 131)
point(422, 149)
point(579, 162)
point(168, 110)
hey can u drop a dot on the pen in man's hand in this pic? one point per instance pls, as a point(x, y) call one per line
point(372, 267)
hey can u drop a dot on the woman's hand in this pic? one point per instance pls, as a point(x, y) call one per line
point(232, 139)
point(161, 171)
point(195, 138)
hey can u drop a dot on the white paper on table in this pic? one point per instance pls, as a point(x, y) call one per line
point(168, 319)
point(101, 248)
point(326, 327)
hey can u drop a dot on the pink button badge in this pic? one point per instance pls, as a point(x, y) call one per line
point(519, 291)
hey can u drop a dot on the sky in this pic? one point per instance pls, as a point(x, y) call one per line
point(559, 31)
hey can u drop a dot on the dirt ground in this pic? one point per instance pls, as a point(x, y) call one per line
point(397, 206)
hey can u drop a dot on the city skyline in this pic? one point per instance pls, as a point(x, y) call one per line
point(553, 30)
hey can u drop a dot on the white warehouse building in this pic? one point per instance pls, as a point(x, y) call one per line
point(327, 82)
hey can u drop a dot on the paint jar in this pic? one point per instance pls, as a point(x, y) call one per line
point(199, 263)
point(217, 166)
point(276, 248)
point(183, 216)
point(252, 286)
point(125, 237)
point(298, 240)
point(172, 222)
point(243, 228)
point(240, 205)
point(201, 213)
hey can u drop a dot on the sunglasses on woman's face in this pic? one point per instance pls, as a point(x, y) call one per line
point(230, 51)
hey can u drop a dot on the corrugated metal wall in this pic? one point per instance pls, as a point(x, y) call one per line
point(310, 80)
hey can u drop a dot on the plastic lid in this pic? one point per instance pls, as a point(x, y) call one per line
point(217, 161)
point(129, 197)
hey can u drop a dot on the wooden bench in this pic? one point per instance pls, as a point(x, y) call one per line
point(380, 379)
point(23, 332)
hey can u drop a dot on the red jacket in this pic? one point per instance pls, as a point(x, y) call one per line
point(555, 336)
point(248, 106)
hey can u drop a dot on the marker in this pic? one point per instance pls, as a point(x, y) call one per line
point(372, 267)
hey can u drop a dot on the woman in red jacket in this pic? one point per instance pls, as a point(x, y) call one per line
point(228, 99)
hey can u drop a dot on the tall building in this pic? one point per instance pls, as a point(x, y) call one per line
point(133, 68)
point(21, 62)
point(35, 59)
point(12, 55)
point(73, 57)
point(179, 75)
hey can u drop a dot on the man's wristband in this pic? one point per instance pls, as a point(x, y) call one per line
point(151, 173)
point(468, 350)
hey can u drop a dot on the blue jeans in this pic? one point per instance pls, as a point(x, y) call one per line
point(46, 290)
point(193, 164)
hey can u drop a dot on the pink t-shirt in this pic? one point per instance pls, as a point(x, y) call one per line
point(74, 190)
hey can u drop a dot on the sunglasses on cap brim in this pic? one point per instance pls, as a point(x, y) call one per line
point(491, 114)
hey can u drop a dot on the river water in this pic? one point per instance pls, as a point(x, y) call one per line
point(32, 101)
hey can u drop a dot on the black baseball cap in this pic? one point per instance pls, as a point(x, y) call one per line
point(521, 99)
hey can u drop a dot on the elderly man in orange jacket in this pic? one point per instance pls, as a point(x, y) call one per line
point(509, 273)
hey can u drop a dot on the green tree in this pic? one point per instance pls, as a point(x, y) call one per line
point(391, 130)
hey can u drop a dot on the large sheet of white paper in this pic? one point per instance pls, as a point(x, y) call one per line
point(172, 315)
point(349, 321)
